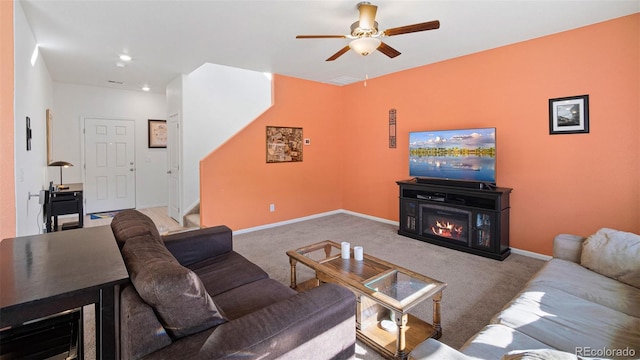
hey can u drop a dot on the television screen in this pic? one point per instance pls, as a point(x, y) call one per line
point(467, 154)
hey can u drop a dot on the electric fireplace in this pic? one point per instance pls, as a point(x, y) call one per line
point(461, 218)
point(446, 223)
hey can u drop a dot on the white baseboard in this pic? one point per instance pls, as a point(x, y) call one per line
point(286, 222)
point(374, 218)
point(531, 254)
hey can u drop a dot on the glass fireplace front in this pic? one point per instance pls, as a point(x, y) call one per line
point(446, 222)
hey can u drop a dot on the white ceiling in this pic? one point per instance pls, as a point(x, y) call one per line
point(80, 40)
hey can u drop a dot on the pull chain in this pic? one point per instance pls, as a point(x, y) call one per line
point(366, 67)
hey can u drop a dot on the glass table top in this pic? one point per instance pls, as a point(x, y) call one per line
point(399, 286)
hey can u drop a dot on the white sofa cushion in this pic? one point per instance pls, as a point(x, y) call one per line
point(566, 322)
point(613, 253)
point(539, 354)
point(584, 283)
point(493, 341)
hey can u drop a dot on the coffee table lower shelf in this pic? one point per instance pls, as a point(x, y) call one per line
point(306, 285)
point(384, 342)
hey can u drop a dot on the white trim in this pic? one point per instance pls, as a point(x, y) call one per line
point(386, 221)
point(531, 254)
point(286, 222)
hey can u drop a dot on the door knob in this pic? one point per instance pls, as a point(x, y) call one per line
point(169, 172)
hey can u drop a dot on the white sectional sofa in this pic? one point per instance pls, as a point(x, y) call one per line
point(584, 303)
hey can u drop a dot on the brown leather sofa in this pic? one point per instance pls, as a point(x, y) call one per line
point(192, 297)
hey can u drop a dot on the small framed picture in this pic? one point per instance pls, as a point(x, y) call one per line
point(157, 133)
point(284, 144)
point(569, 115)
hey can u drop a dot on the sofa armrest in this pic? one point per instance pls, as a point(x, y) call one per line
point(568, 247)
point(190, 247)
point(303, 324)
point(434, 349)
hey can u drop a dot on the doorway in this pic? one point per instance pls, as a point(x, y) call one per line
point(109, 164)
point(173, 159)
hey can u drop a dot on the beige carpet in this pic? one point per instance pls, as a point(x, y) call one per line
point(477, 287)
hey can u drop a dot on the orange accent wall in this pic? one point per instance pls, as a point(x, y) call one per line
point(7, 179)
point(237, 185)
point(562, 183)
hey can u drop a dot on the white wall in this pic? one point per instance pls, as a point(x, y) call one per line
point(33, 95)
point(72, 103)
point(174, 96)
point(218, 102)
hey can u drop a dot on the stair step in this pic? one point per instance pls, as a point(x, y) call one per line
point(192, 220)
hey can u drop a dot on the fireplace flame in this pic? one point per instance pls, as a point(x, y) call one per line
point(447, 229)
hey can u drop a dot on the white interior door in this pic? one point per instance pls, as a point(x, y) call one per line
point(173, 166)
point(109, 165)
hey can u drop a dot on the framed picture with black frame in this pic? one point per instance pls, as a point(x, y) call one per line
point(569, 115)
point(157, 133)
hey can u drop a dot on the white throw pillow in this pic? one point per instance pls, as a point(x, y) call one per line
point(613, 253)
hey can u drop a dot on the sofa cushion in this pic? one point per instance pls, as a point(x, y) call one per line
point(128, 224)
point(315, 324)
point(589, 285)
point(539, 354)
point(566, 322)
point(142, 331)
point(248, 298)
point(493, 341)
point(225, 272)
point(614, 254)
point(175, 292)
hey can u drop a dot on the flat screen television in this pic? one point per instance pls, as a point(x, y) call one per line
point(463, 155)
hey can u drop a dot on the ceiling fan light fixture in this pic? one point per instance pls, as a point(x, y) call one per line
point(365, 46)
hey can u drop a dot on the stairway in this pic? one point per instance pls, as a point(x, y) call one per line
point(192, 218)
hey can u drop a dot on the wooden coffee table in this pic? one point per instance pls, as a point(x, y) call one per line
point(384, 291)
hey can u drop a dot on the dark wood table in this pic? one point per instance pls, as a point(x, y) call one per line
point(63, 202)
point(45, 274)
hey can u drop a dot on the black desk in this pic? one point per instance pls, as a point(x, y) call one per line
point(45, 274)
point(63, 202)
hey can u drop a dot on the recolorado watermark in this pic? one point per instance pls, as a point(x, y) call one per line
point(605, 352)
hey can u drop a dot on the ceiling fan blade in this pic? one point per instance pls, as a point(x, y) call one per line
point(321, 37)
point(430, 25)
point(339, 53)
point(367, 16)
point(388, 50)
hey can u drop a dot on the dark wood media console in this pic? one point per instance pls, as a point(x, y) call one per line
point(467, 219)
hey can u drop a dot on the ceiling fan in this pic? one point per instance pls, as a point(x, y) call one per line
point(365, 34)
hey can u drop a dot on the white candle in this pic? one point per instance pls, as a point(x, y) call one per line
point(345, 250)
point(358, 253)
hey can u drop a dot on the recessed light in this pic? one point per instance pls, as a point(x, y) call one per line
point(125, 57)
point(120, 64)
point(145, 88)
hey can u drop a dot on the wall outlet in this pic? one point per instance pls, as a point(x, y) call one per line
point(272, 207)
